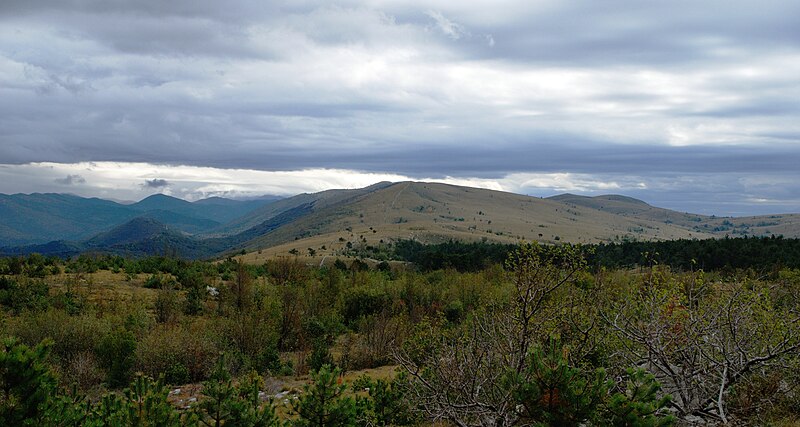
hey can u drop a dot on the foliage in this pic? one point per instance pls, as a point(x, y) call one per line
point(638, 405)
point(26, 383)
point(387, 403)
point(760, 253)
point(323, 403)
point(722, 345)
point(144, 403)
point(26, 295)
point(554, 393)
point(117, 354)
point(227, 404)
point(700, 340)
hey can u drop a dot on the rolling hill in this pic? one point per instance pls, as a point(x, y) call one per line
point(787, 225)
point(330, 222)
point(432, 213)
point(318, 200)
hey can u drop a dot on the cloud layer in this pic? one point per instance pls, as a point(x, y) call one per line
point(689, 104)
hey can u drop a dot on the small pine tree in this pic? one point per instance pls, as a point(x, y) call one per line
point(323, 403)
point(387, 402)
point(219, 393)
point(143, 404)
point(638, 406)
point(146, 404)
point(26, 382)
point(558, 394)
point(320, 355)
point(225, 404)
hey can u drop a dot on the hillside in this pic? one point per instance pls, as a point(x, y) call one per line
point(216, 210)
point(430, 212)
point(146, 236)
point(787, 225)
point(318, 201)
point(39, 218)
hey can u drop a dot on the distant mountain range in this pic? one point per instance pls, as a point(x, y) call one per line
point(27, 219)
point(325, 223)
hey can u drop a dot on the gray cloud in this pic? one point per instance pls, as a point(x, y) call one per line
point(155, 183)
point(677, 91)
point(71, 180)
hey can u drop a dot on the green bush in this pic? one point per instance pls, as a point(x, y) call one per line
point(320, 355)
point(25, 295)
point(386, 404)
point(116, 352)
point(361, 302)
point(226, 404)
point(195, 345)
point(71, 335)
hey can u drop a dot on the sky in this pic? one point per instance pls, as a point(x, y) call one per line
point(693, 106)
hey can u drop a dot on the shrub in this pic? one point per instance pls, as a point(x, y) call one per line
point(71, 335)
point(361, 302)
point(386, 403)
point(195, 345)
point(26, 295)
point(320, 355)
point(116, 351)
point(226, 404)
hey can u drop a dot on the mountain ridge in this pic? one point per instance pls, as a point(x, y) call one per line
point(333, 221)
point(37, 218)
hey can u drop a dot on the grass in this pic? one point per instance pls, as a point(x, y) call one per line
point(103, 287)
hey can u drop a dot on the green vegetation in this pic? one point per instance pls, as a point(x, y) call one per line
point(758, 253)
point(475, 334)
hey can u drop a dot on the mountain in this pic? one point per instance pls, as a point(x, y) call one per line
point(133, 231)
point(27, 219)
point(633, 208)
point(146, 236)
point(138, 237)
point(216, 209)
point(39, 218)
point(431, 212)
point(317, 200)
point(329, 222)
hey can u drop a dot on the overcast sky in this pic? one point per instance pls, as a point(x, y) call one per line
point(688, 105)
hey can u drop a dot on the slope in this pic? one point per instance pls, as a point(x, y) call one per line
point(432, 212)
point(138, 237)
point(39, 218)
point(265, 213)
point(787, 225)
point(630, 207)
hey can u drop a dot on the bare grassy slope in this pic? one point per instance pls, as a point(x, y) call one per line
point(432, 212)
point(787, 225)
point(267, 212)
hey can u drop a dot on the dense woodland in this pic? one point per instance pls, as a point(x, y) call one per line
point(652, 334)
point(729, 254)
